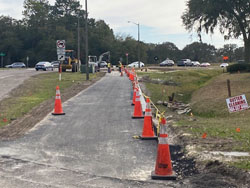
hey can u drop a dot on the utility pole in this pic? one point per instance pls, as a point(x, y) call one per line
point(86, 41)
point(27, 59)
point(139, 46)
point(78, 42)
point(2, 54)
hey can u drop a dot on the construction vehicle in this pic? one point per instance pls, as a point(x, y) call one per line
point(92, 60)
point(97, 63)
point(70, 62)
point(102, 56)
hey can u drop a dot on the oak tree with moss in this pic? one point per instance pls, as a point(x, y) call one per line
point(231, 16)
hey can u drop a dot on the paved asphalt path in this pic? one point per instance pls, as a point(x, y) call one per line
point(11, 78)
point(91, 146)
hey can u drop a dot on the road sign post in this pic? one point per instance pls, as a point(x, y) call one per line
point(2, 55)
point(60, 45)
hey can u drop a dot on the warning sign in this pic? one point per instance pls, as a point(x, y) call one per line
point(237, 103)
point(60, 44)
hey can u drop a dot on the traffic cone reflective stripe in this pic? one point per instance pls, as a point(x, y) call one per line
point(58, 96)
point(58, 104)
point(148, 131)
point(148, 113)
point(134, 96)
point(137, 107)
point(163, 167)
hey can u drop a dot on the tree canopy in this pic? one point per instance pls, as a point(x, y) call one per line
point(231, 16)
point(35, 37)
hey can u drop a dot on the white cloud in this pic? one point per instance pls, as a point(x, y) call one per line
point(12, 8)
point(161, 14)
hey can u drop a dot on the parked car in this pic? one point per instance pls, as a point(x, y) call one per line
point(241, 61)
point(103, 64)
point(136, 64)
point(196, 63)
point(184, 62)
point(222, 65)
point(205, 64)
point(16, 65)
point(55, 64)
point(167, 62)
point(44, 65)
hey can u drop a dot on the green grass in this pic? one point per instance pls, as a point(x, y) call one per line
point(243, 164)
point(206, 91)
point(34, 91)
point(210, 109)
point(186, 83)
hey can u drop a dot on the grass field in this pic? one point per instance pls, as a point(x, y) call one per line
point(206, 91)
point(33, 92)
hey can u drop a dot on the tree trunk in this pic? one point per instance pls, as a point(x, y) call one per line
point(247, 50)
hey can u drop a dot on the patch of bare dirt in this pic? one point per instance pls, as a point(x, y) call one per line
point(21, 125)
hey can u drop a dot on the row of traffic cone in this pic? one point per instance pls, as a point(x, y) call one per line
point(163, 168)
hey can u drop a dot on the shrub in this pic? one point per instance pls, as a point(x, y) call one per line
point(242, 67)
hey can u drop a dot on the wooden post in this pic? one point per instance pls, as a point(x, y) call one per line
point(229, 88)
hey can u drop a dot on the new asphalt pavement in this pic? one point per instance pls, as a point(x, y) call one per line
point(92, 145)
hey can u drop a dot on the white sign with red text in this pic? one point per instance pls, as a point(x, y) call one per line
point(237, 103)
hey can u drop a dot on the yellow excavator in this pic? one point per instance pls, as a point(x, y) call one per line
point(70, 62)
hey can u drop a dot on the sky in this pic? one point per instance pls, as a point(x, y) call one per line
point(159, 20)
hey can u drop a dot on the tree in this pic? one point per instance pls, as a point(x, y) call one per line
point(101, 37)
point(36, 13)
point(232, 17)
point(163, 51)
point(10, 42)
point(228, 50)
point(198, 51)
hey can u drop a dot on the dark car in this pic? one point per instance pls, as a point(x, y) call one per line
point(167, 62)
point(16, 65)
point(103, 64)
point(184, 62)
point(44, 65)
point(55, 64)
point(181, 63)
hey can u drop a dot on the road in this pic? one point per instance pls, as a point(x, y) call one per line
point(91, 146)
point(11, 78)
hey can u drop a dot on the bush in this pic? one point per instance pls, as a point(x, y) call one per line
point(242, 67)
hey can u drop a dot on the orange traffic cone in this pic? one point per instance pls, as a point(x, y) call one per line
point(131, 76)
point(134, 94)
point(58, 105)
point(137, 108)
point(163, 167)
point(148, 131)
point(204, 135)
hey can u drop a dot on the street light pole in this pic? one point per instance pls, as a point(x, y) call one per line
point(86, 41)
point(138, 46)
